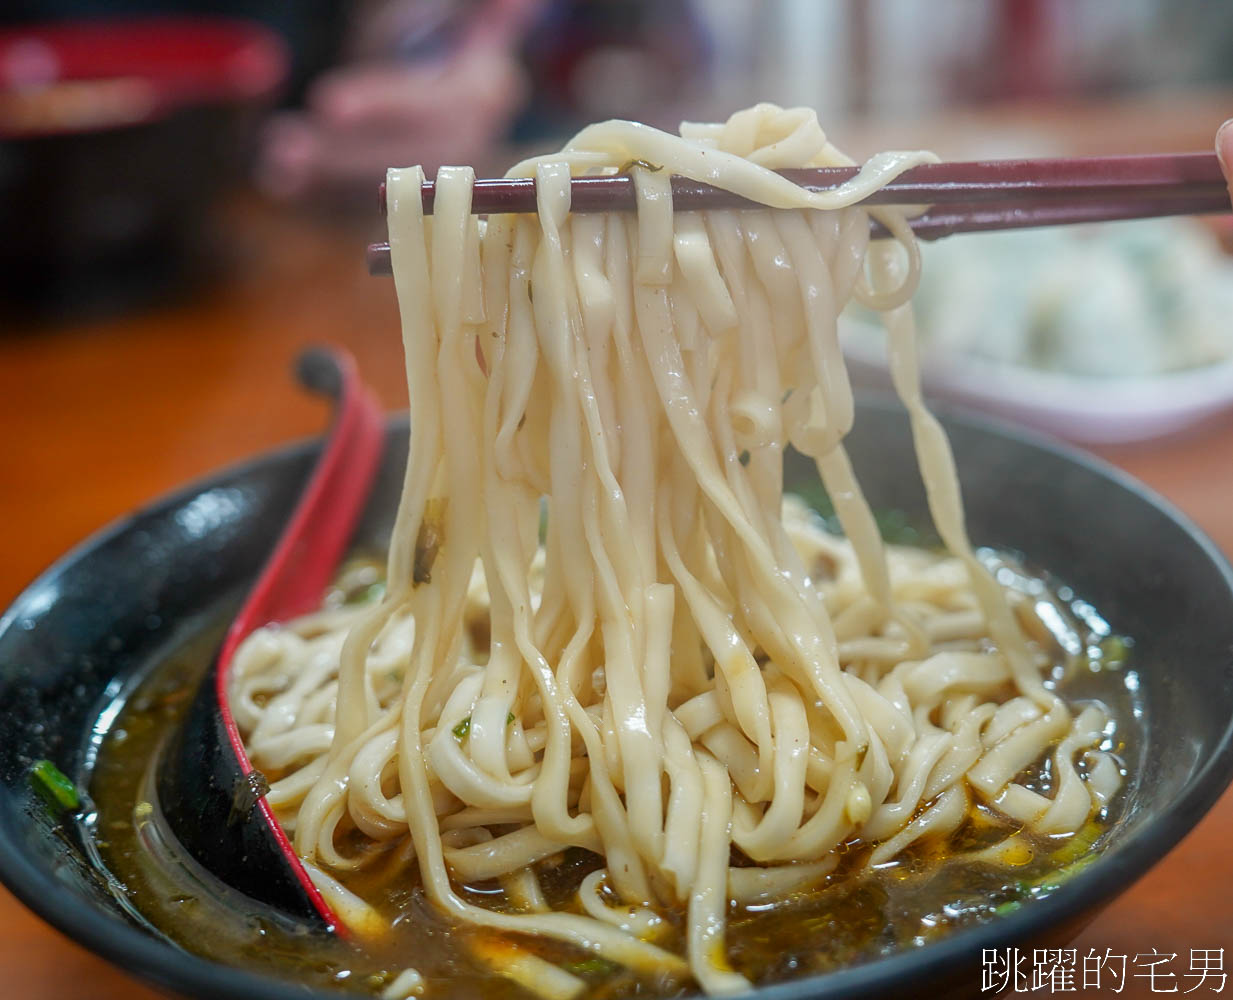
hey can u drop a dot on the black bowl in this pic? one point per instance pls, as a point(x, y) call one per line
point(69, 642)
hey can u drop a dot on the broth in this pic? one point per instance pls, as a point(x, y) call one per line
point(852, 916)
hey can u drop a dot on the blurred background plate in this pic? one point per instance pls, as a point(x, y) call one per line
point(1074, 407)
point(1104, 334)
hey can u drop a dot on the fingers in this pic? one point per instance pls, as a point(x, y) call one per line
point(401, 96)
point(1224, 152)
point(392, 93)
point(362, 119)
point(359, 119)
point(351, 145)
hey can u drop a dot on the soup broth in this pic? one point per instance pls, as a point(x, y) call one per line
point(853, 915)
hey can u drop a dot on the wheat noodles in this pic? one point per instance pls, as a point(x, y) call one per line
point(687, 663)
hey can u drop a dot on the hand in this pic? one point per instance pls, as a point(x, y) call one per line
point(363, 118)
point(1224, 152)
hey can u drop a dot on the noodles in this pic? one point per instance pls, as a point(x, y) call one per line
point(687, 663)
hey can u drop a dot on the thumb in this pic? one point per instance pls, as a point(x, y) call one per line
point(1224, 152)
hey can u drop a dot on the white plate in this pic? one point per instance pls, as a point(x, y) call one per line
point(1084, 409)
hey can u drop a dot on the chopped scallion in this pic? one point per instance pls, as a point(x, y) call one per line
point(1114, 650)
point(591, 967)
point(54, 785)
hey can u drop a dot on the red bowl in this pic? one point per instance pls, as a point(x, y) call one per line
point(84, 76)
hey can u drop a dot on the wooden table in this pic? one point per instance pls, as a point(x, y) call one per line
point(99, 418)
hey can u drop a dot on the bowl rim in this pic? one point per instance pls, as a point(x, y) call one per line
point(141, 68)
point(163, 963)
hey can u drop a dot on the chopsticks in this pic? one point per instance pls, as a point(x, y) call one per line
point(964, 197)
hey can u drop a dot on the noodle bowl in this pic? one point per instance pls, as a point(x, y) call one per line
point(605, 625)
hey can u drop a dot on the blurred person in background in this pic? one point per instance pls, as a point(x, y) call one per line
point(458, 81)
point(379, 82)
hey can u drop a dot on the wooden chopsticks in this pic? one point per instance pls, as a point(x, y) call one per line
point(963, 196)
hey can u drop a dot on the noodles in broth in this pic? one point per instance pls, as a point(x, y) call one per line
point(605, 625)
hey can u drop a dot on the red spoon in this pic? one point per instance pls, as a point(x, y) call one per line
point(210, 794)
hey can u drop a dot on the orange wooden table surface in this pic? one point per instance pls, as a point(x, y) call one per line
point(97, 419)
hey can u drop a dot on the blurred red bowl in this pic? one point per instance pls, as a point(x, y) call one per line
point(116, 139)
